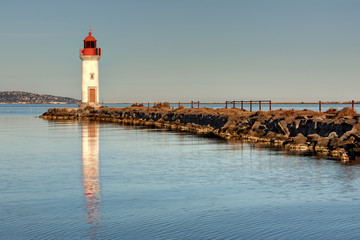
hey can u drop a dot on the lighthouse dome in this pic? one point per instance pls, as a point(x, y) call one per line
point(90, 48)
point(89, 38)
point(89, 42)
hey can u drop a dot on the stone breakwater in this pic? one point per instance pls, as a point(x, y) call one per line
point(334, 134)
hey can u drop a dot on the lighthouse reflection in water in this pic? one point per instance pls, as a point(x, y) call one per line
point(91, 177)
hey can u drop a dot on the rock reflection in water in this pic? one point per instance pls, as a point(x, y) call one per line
point(91, 177)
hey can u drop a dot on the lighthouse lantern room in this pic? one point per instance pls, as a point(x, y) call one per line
point(90, 57)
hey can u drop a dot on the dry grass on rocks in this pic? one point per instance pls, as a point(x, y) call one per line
point(161, 105)
point(332, 111)
point(347, 111)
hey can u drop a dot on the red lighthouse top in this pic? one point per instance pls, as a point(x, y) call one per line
point(89, 38)
point(90, 47)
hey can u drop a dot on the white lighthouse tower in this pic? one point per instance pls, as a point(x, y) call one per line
point(90, 57)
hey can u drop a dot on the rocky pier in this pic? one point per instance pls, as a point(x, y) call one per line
point(333, 134)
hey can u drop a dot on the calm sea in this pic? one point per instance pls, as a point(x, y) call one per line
point(85, 180)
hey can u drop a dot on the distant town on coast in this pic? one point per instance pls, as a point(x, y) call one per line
point(19, 97)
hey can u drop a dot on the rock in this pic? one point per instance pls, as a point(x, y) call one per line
point(270, 135)
point(256, 125)
point(322, 141)
point(313, 137)
point(334, 143)
point(350, 121)
point(281, 137)
point(289, 120)
point(297, 123)
point(301, 117)
point(299, 139)
point(355, 153)
point(297, 147)
point(283, 127)
point(356, 127)
point(335, 153)
point(278, 142)
point(344, 158)
point(332, 135)
point(256, 133)
point(321, 149)
point(306, 127)
point(347, 134)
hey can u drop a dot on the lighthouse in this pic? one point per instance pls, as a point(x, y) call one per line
point(90, 57)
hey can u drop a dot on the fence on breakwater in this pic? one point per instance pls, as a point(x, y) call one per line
point(252, 105)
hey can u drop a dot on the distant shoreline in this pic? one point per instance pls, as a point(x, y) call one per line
point(20, 97)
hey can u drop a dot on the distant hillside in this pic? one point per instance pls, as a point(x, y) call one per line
point(26, 97)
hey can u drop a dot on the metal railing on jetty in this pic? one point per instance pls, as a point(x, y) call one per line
point(253, 105)
point(250, 103)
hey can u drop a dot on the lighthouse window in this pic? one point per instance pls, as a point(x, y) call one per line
point(90, 44)
point(91, 76)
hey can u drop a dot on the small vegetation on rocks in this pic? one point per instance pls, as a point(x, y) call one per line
point(332, 111)
point(346, 111)
point(162, 105)
point(137, 105)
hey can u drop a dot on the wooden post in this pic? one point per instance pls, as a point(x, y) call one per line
point(233, 104)
point(154, 104)
point(242, 105)
point(250, 106)
point(198, 104)
point(192, 104)
point(270, 105)
point(179, 104)
point(319, 106)
point(352, 104)
point(148, 104)
point(226, 104)
point(259, 105)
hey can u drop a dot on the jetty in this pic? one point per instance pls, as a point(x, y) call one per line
point(332, 134)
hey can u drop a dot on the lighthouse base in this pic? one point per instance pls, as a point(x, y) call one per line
point(91, 105)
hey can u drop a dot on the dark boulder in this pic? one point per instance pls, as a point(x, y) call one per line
point(282, 126)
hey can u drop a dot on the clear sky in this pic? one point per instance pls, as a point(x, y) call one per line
point(183, 50)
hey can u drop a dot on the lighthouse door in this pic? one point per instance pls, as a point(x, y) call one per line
point(92, 95)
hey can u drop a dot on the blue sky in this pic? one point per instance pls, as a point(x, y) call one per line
point(183, 50)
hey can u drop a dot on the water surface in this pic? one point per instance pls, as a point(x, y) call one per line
point(85, 180)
